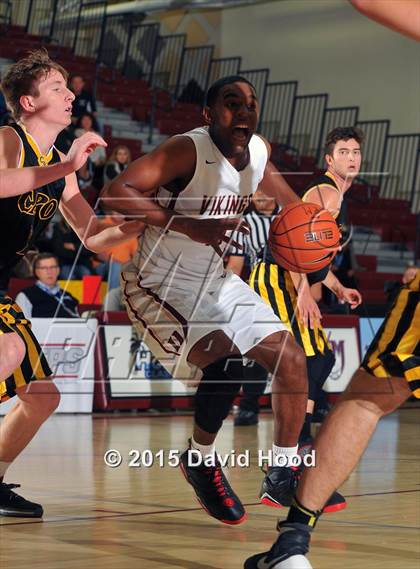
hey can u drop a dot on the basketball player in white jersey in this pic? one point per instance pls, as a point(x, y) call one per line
point(198, 320)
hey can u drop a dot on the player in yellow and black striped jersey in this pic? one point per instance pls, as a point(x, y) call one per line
point(389, 375)
point(290, 295)
point(26, 215)
point(278, 287)
point(395, 350)
point(35, 180)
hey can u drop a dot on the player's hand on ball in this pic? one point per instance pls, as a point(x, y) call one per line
point(82, 147)
point(308, 310)
point(351, 296)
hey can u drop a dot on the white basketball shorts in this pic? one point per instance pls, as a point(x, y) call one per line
point(171, 322)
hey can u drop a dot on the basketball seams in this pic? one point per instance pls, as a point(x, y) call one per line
point(320, 248)
point(300, 241)
point(327, 221)
point(287, 264)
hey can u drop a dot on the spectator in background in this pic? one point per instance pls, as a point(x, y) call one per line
point(84, 101)
point(85, 123)
point(69, 250)
point(118, 161)
point(87, 179)
point(91, 175)
point(85, 175)
point(45, 299)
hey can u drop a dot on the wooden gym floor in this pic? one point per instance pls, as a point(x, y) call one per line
point(120, 518)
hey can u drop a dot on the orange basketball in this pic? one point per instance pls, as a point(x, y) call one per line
point(304, 237)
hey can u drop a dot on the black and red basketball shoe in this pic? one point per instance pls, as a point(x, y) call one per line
point(213, 491)
point(280, 484)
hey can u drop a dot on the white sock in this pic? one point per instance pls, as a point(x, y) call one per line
point(205, 450)
point(287, 452)
point(3, 467)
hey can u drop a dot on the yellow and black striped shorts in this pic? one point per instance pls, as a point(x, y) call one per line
point(395, 350)
point(276, 288)
point(34, 365)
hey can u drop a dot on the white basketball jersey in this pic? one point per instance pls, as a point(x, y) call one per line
point(216, 190)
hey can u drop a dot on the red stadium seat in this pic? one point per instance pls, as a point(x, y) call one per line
point(372, 280)
point(369, 262)
point(140, 113)
point(307, 164)
point(17, 284)
point(373, 296)
point(187, 107)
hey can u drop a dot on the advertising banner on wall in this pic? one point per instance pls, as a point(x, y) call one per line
point(68, 345)
point(135, 372)
point(345, 343)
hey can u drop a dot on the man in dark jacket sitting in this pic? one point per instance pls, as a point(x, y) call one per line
point(45, 299)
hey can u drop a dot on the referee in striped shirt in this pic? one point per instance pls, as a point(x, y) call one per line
point(251, 246)
point(242, 258)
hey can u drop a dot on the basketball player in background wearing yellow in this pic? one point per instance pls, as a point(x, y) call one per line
point(290, 295)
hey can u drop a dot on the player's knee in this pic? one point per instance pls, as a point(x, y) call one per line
point(379, 396)
point(45, 398)
point(217, 390)
point(298, 358)
point(291, 366)
point(368, 405)
point(12, 350)
point(210, 413)
point(378, 406)
point(51, 403)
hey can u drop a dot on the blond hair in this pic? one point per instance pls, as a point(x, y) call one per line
point(113, 155)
